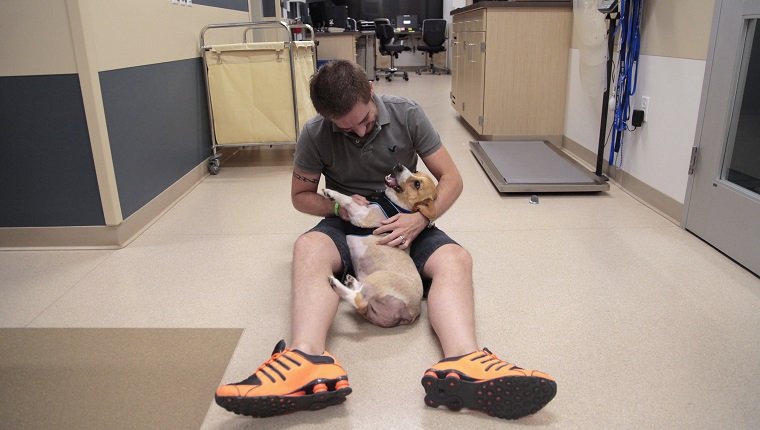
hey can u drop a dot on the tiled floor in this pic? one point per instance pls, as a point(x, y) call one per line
point(642, 324)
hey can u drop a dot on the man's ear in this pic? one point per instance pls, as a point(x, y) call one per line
point(427, 208)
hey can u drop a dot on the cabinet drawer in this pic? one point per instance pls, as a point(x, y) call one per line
point(474, 20)
point(477, 20)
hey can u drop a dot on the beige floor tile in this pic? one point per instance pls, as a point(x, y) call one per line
point(238, 201)
point(182, 281)
point(31, 281)
point(644, 325)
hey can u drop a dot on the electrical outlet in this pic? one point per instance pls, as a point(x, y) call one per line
point(645, 106)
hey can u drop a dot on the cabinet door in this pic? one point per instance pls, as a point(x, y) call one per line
point(472, 109)
point(457, 71)
point(337, 47)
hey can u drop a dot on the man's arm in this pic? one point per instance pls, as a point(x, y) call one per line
point(304, 196)
point(450, 183)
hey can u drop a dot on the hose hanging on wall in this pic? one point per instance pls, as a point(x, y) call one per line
point(629, 29)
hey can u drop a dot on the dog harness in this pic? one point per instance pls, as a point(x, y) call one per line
point(385, 204)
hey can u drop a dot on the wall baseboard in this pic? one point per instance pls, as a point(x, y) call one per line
point(654, 199)
point(102, 237)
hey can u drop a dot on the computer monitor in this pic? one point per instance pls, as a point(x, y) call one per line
point(406, 22)
point(317, 14)
point(336, 16)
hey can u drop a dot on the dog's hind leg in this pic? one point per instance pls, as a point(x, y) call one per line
point(351, 292)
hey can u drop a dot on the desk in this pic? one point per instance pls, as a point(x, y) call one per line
point(337, 46)
point(365, 52)
point(355, 46)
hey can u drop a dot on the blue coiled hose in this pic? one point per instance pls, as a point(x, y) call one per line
point(629, 29)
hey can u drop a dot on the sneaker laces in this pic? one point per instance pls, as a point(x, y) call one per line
point(490, 357)
point(275, 358)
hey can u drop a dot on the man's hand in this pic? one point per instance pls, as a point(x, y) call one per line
point(402, 229)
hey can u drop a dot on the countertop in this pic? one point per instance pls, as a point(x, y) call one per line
point(342, 33)
point(515, 3)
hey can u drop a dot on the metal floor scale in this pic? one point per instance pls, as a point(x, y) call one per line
point(532, 166)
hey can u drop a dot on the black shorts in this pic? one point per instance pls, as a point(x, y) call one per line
point(422, 248)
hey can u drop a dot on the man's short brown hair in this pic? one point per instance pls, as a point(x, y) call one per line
point(337, 87)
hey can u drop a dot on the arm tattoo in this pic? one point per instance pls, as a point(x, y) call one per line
point(305, 179)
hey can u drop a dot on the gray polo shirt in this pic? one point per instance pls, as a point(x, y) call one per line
point(359, 166)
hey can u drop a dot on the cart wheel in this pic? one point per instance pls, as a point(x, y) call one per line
point(406, 77)
point(388, 78)
point(213, 166)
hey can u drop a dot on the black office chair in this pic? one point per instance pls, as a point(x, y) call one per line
point(389, 46)
point(433, 37)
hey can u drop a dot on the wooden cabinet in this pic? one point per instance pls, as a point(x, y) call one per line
point(509, 72)
point(468, 56)
point(337, 46)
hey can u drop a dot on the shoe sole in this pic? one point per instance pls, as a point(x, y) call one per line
point(509, 397)
point(269, 406)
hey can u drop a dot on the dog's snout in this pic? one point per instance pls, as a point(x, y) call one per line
point(398, 168)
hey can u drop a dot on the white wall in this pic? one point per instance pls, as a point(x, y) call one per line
point(657, 153)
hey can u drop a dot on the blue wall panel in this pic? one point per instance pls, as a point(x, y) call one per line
point(225, 4)
point(47, 178)
point(158, 126)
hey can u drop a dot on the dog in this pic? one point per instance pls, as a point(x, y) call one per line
point(387, 289)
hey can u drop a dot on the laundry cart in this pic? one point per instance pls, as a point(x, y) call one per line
point(258, 92)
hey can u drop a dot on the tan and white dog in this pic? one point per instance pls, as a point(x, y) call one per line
point(387, 289)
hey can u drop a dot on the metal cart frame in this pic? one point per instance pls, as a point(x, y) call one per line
point(287, 27)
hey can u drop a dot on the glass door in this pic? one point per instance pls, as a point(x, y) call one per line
point(741, 164)
point(723, 198)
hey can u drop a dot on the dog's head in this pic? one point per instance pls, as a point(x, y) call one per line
point(412, 191)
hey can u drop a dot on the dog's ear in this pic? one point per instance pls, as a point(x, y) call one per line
point(427, 208)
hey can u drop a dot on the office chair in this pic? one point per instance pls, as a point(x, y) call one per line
point(390, 47)
point(433, 37)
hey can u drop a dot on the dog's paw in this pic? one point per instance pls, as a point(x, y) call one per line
point(352, 282)
point(328, 193)
point(334, 282)
point(341, 289)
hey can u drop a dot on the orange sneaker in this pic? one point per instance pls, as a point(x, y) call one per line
point(482, 381)
point(289, 381)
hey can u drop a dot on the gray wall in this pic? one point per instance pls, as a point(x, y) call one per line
point(158, 126)
point(48, 175)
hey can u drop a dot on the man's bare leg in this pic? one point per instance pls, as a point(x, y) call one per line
point(313, 302)
point(278, 386)
point(451, 305)
point(484, 382)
